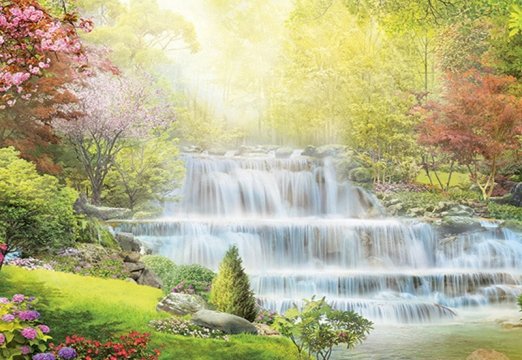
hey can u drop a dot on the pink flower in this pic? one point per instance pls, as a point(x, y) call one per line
point(25, 350)
point(2, 339)
point(44, 328)
point(29, 333)
point(18, 298)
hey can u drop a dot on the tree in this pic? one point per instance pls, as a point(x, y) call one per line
point(317, 328)
point(30, 40)
point(144, 170)
point(478, 122)
point(230, 290)
point(110, 110)
point(36, 213)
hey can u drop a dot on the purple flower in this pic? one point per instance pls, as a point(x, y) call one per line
point(67, 353)
point(25, 349)
point(2, 339)
point(28, 315)
point(4, 300)
point(18, 298)
point(29, 333)
point(44, 356)
point(44, 328)
point(8, 318)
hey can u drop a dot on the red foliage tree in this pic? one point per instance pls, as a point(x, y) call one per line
point(477, 122)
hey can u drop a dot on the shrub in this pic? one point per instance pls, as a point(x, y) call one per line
point(21, 334)
point(265, 316)
point(505, 211)
point(318, 328)
point(179, 326)
point(133, 346)
point(36, 212)
point(92, 231)
point(230, 290)
point(161, 266)
point(197, 276)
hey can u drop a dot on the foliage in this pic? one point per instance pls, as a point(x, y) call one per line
point(21, 333)
point(144, 170)
point(505, 211)
point(180, 326)
point(197, 276)
point(93, 231)
point(317, 328)
point(230, 290)
point(265, 316)
point(36, 213)
point(139, 32)
point(132, 346)
point(29, 263)
point(109, 111)
point(478, 123)
point(161, 266)
point(29, 36)
point(90, 260)
point(99, 308)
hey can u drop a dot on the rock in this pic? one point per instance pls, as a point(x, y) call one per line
point(310, 151)
point(128, 242)
point(486, 354)
point(283, 152)
point(361, 175)
point(460, 210)
point(459, 224)
point(265, 330)
point(131, 280)
point(131, 257)
point(82, 206)
point(148, 278)
point(394, 209)
point(181, 304)
point(134, 267)
point(329, 150)
point(228, 323)
point(414, 212)
point(516, 195)
point(217, 151)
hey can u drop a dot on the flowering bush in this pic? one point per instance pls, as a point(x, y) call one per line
point(29, 263)
point(265, 316)
point(20, 332)
point(133, 346)
point(179, 326)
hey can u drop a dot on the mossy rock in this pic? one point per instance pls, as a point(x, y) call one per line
point(360, 175)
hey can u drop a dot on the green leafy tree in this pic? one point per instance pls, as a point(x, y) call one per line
point(36, 212)
point(144, 170)
point(231, 291)
point(317, 328)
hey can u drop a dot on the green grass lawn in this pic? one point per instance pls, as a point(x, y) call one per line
point(99, 308)
point(457, 179)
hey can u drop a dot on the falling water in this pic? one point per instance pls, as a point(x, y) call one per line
point(302, 233)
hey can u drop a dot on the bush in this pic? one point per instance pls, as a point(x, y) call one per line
point(230, 290)
point(21, 334)
point(161, 266)
point(36, 212)
point(197, 276)
point(505, 211)
point(92, 231)
point(265, 316)
point(318, 328)
point(179, 326)
point(133, 346)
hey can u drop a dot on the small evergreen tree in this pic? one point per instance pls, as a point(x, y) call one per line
point(231, 291)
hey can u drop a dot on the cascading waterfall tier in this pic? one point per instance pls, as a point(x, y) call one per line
point(302, 233)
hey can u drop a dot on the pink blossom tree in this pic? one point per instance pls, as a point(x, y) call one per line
point(30, 39)
point(110, 111)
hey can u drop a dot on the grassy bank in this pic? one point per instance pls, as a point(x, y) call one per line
point(99, 308)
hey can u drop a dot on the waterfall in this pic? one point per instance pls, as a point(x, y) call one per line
point(301, 232)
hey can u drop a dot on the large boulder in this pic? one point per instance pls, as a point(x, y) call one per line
point(486, 354)
point(128, 242)
point(82, 206)
point(458, 224)
point(181, 304)
point(228, 323)
point(149, 278)
point(283, 152)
